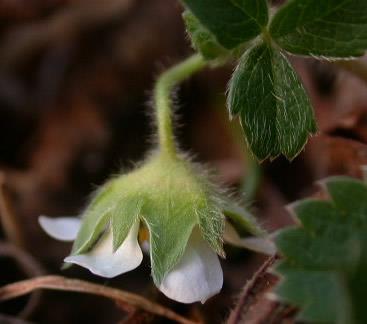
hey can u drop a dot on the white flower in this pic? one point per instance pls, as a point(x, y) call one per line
point(100, 260)
point(196, 277)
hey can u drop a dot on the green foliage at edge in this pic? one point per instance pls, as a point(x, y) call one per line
point(325, 28)
point(325, 259)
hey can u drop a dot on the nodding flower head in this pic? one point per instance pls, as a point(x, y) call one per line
point(183, 213)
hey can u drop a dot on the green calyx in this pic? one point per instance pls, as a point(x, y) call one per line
point(166, 193)
point(170, 196)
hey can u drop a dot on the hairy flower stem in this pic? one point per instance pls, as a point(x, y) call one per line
point(163, 101)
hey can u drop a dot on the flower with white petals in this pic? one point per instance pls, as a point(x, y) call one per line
point(100, 260)
point(197, 277)
point(183, 213)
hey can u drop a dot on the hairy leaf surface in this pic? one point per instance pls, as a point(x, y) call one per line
point(202, 39)
point(274, 108)
point(96, 217)
point(232, 22)
point(328, 28)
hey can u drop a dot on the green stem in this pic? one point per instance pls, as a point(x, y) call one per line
point(163, 101)
point(253, 178)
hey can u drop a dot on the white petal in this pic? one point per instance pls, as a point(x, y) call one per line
point(198, 275)
point(257, 244)
point(61, 228)
point(103, 262)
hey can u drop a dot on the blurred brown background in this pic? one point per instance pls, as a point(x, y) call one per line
point(75, 90)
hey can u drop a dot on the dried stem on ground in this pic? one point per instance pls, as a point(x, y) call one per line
point(7, 319)
point(30, 267)
point(254, 305)
point(60, 283)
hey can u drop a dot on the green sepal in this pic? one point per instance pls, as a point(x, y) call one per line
point(211, 223)
point(167, 243)
point(96, 216)
point(124, 215)
point(177, 200)
point(242, 219)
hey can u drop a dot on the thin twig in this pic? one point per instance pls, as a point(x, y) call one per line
point(8, 319)
point(249, 293)
point(255, 305)
point(26, 262)
point(356, 67)
point(61, 283)
point(31, 268)
point(8, 218)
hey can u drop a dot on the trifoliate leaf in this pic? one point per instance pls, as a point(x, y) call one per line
point(274, 108)
point(327, 28)
point(202, 39)
point(325, 260)
point(233, 22)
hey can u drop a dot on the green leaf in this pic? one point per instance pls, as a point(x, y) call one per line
point(233, 22)
point(321, 290)
point(315, 215)
point(349, 195)
point(202, 39)
point(328, 28)
point(325, 260)
point(274, 108)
